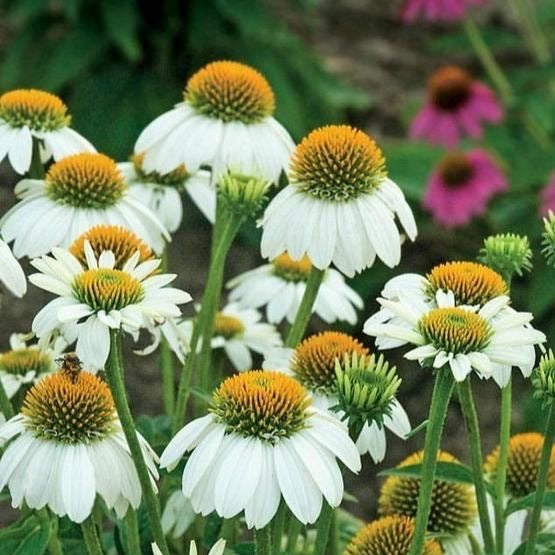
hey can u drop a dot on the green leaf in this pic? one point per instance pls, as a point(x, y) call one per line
point(445, 471)
point(528, 502)
point(121, 23)
point(29, 537)
point(545, 545)
point(417, 429)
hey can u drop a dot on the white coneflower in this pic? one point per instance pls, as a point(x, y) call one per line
point(97, 297)
point(239, 331)
point(313, 364)
point(63, 459)
point(339, 207)
point(11, 273)
point(162, 193)
point(78, 192)
point(262, 440)
point(225, 121)
point(26, 363)
point(490, 339)
point(29, 113)
point(280, 287)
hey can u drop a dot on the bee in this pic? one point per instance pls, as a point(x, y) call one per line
point(70, 364)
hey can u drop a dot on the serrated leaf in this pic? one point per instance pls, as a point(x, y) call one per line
point(528, 501)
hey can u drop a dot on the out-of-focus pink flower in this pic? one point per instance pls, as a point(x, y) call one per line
point(457, 105)
point(436, 10)
point(461, 185)
point(547, 197)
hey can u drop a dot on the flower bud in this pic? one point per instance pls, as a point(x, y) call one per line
point(242, 194)
point(543, 378)
point(507, 254)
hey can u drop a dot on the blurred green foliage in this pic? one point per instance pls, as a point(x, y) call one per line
point(120, 63)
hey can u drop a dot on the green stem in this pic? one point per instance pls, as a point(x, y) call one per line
point(277, 528)
point(443, 388)
point(323, 529)
point(36, 169)
point(333, 543)
point(131, 531)
point(473, 429)
point(543, 474)
point(114, 374)
point(292, 535)
point(54, 545)
point(488, 61)
point(302, 317)
point(222, 239)
point(166, 359)
point(90, 535)
point(501, 474)
point(263, 540)
point(5, 404)
point(532, 31)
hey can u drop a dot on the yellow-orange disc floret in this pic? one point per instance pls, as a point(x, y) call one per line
point(122, 242)
point(175, 178)
point(230, 91)
point(292, 270)
point(523, 464)
point(86, 180)
point(453, 508)
point(337, 162)
point(449, 87)
point(470, 282)
point(21, 361)
point(314, 359)
point(389, 535)
point(266, 405)
point(455, 330)
point(69, 407)
point(38, 110)
point(106, 289)
point(227, 326)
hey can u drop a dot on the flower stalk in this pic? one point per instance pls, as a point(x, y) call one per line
point(304, 312)
point(323, 529)
point(36, 169)
point(473, 429)
point(501, 476)
point(114, 374)
point(90, 535)
point(543, 475)
point(441, 395)
point(263, 540)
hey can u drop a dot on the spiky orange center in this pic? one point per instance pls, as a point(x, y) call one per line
point(38, 110)
point(267, 405)
point(292, 270)
point(227, 326)
point(230, 91)
point(122, 242)
point(470, 282)
point(86, 180)
point(21, 361)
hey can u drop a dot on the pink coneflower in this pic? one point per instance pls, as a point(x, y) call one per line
point(461, 186)
point(436, 10)
point(457, 105)
point(547, 197)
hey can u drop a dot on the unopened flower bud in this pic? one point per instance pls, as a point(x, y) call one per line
point(507, 254)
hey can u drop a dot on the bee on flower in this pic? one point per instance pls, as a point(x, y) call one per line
point(225, 121)
point(64, 459)
point(262, 441)
point(340, 205)
point(96, 297)
point(77, 193)
point(31, 114)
